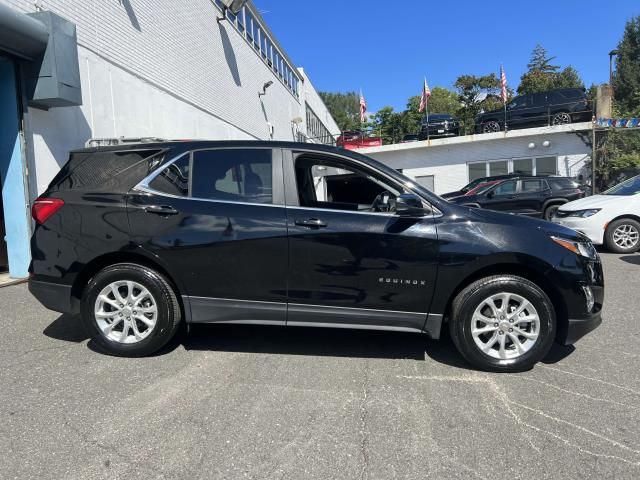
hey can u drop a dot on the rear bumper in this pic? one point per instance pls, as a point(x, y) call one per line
point(578, 328)
point(54, 296)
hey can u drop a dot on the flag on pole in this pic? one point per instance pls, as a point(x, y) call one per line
point(426, 93)
point(503, 85)
point(363, 107)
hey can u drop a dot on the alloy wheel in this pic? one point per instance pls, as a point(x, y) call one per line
point(491, 127)
point(561, 118)
point(126, 312)
point(505, 326)
point(626, 236)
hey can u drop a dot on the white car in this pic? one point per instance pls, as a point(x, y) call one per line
point(611, 218)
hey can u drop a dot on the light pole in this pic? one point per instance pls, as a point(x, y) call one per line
point(612, 53)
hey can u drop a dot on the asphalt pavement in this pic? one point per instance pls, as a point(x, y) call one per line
point(239, 402)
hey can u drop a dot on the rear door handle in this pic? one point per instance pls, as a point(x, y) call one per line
point(311, 223)
point(161, 209)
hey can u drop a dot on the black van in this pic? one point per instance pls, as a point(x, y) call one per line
point(139, 238)
point(555, 107)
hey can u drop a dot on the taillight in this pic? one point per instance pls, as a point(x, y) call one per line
point(43, 208)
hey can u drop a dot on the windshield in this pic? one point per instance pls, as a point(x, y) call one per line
point(626, 188)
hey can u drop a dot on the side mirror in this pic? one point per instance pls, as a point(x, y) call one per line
point(491, 194)
point(409, 205)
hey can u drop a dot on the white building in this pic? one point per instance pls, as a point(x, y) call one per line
point(145, 68)
point(447, 164)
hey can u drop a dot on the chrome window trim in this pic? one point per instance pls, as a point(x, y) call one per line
point(144, 187)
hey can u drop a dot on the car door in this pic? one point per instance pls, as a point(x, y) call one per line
point(348, 265)
point(517, 111)
point(216, 218)
point(531, 196)
point(502, 197)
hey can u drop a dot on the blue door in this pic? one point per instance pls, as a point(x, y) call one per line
point(15, 215)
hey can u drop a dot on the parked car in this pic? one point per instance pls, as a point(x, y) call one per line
point(611, 218)
point(483, 187)
point(137, 239)
point(410, 138)
point(533, 196)
point(474, 183)
point(555, 107)
point(439, 125)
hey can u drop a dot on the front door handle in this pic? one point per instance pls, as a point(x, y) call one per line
point(311, 223)
point(161, 209)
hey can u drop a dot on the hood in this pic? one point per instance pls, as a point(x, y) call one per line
point(521, 221)
point(596, 201)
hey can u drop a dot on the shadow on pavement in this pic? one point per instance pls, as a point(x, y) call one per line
point(68, 328)
point(322, 342)
point(633, 259)
point(558, 353)
point(305, 341)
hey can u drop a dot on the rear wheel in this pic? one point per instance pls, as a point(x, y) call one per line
point(550, 211)
point(502, 323)
point(623, 236)
point(130, 310)
point(490, 127)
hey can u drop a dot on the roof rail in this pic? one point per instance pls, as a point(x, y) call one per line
point(105, 142)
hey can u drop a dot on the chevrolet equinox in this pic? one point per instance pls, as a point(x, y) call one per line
point(139, 238)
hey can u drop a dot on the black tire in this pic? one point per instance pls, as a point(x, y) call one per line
point(465, 304)
point(169, 313)
point(492, 126)
point(610, 241)
point(550, 210)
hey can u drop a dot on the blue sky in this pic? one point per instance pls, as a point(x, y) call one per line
point(348, 45)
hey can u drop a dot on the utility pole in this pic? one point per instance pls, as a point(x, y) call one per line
point(593, 158)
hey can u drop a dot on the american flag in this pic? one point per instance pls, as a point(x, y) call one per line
point(363, 107)
point(503, 85)
point(424, 100)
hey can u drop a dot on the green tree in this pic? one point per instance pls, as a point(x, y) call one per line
point(542, 75)
point(626, 80)
point(388, 125)
point(475, 94)
point(344, 107)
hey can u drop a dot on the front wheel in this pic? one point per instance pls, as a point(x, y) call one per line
point(503, 323)
point(130, 310)
point(623, 236)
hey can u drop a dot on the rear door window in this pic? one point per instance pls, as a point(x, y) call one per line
point(241, 175)
point(537, 185)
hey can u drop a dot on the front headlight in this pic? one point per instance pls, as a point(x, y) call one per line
point(584, 249)
point(584, 213)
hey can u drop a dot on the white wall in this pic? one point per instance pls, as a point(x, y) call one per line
point(159, 68)
point(317, 105)
point(447, 159)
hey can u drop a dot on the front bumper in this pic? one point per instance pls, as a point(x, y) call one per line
point(53, 296)
point(587, 226)
point(579, 327)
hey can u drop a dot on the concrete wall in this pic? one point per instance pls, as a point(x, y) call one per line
point(447, 159)
point(317, 105)
point(159, 68)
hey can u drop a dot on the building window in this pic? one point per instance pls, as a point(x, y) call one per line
point(426, 181)
point(522, 166)
point(546, 166)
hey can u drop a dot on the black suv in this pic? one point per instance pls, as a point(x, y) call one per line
point(138, 239)
point(555, 107)
point(535, 196)
point(439, 125)
point(474, 183)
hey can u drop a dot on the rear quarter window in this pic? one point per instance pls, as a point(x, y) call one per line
point(102, 171)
